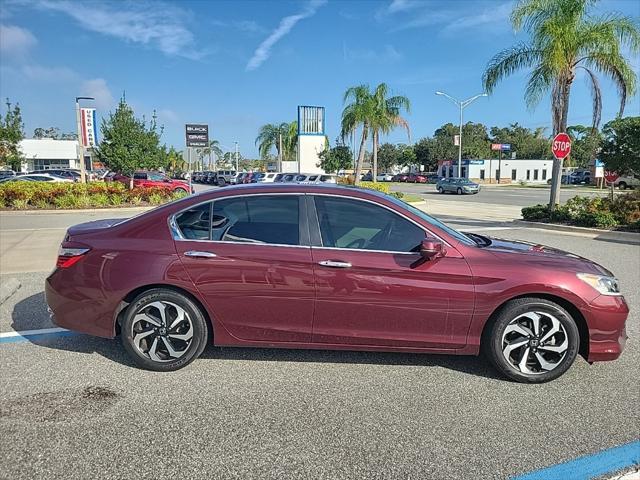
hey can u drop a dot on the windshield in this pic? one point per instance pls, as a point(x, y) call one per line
point(461, 237)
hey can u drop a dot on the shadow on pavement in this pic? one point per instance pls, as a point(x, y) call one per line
point(113, 350)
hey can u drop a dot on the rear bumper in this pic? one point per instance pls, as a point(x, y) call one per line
point(607, 317)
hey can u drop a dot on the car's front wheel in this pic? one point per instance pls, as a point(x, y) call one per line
point(163, 330)
point(180, 190)
point(459, 191)
point(440, 190)
point(532, 340)
point(221, 182)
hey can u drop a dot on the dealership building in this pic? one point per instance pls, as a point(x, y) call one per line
point(47, 154)
point(506, 170)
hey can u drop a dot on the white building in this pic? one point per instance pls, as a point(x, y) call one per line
point(506, 170)
point(46, 154)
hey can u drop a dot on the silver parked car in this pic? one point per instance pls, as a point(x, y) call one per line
point(457, 185)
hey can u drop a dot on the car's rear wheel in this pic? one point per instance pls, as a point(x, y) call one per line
point(163, 330)
point(180, 190)
point(622, 186)
point(221, 182)
point(532, 340)
point(440, 190)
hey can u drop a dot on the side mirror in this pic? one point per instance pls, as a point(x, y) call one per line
point(430, 249)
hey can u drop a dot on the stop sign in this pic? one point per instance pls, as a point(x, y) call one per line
point(561, 146)
point(610, 176)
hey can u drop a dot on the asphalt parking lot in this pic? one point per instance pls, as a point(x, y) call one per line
point(73, 406)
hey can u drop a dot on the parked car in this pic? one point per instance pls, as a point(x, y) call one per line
point(268, 177)
point(210, 178)
point(155, 179)
point(67, 173)
point(288, 177)
point(433, 178)
point(36, 177)
point(7, 174)
point(580, 177)
point(627, 181)
point(457, 185)
point(384, 177)
point(367, 177)
point(324, 258)
point(401, 177)
point(239, 178)
point(226, 177)
point(416, 178)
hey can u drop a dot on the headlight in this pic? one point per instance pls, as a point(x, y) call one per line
point(603, 284)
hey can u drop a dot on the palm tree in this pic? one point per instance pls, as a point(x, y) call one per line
point(386, 117)
point(274, 135)
point(565, 37)
point(358, 113)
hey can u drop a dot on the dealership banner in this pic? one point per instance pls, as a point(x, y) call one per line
point(197, 135)
point(89, 127)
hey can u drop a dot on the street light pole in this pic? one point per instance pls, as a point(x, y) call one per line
point(237, 167)
point(462, 104)
point(83, 170)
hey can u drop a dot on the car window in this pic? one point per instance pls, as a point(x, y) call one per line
point(140, 176)
point(156, 177)
point(348, 223)
point(195, 223)
point(271, 219)
point(324, 178)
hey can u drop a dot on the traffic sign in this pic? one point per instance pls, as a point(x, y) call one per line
point(561, 146)
point(503, 147)
point(610, 176)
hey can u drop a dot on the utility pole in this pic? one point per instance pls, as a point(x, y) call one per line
point(462, 104)
point(279, 152)
point(83, 170)
point(237, 166)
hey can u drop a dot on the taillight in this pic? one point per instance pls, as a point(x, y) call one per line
point(70, 256)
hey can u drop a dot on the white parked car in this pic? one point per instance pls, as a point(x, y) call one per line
point(384, 177)
point(37, 177)
point(268, 177)
point(628, 181)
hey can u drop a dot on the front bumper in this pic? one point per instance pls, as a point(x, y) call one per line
point(607, 316)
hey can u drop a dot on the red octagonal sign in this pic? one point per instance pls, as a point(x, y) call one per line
point(561, 146)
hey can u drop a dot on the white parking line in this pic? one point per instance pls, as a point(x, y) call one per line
point(8, 336)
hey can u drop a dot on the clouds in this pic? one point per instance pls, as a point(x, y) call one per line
point(15, 41)
point(98, 89)
point(410, 14)
point(155, 24)
point(263, 52)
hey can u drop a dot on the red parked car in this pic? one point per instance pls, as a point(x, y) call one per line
point(155, 179)
point(401, 177)
point(329, 267)
point(416, 178)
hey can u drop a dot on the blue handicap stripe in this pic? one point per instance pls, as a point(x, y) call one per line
point(39, 336)
point(590, 466)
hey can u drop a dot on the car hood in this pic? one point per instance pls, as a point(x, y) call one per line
point(537, 254)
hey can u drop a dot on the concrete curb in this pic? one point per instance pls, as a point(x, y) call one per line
point(8, 288)
point(78, 210)
point(630, 237)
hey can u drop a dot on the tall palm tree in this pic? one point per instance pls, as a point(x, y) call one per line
point(566, 38)
point(386, 116)
point(355, 114)
point(274, 135)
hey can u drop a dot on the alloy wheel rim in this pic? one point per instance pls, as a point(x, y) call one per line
point(534, 343)
point(162, 331)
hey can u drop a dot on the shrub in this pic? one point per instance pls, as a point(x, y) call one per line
point(156, 198)
point(100, 200)
point(601, 219)
point(377, 186)
point(67, 201)
point(398, 195)
point(536, 213)
point(20, 203)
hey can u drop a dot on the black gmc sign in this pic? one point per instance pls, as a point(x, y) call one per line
point(197, 135)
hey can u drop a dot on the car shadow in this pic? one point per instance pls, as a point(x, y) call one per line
point(25, 310)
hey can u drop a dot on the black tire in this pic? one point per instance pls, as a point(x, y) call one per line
point(180, 190)
point(493, 345)
point(440, 190)
point(193, 349)
point(459, 191)
point(622, 186)
point(221, 182)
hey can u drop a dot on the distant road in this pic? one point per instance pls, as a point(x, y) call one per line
point(517, 196)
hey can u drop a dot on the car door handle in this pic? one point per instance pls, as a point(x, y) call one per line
point(335, 264)
point(199, 254)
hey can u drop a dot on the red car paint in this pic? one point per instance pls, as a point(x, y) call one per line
point(154, 179)
point(278, 296)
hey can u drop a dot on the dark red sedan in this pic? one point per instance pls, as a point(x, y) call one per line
point(154, 179)
point(328, 267)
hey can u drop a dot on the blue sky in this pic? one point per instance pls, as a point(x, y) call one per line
point(238, 65)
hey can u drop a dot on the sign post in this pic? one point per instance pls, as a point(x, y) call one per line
point(196, 135)
point(611, 177)
point(560, 147)
point(500, 147)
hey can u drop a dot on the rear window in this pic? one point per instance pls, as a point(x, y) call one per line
point(194, 224)
point(269, 219)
